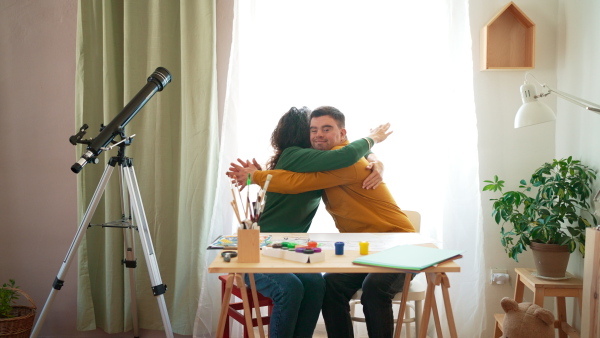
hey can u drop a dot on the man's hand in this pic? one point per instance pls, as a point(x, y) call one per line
point(376, 177)
point(239, 172)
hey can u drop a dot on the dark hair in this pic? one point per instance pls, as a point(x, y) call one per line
point(335, 114)
point(293, 130)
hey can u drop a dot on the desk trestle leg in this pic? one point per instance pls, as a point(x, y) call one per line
point(434, 279)
point(225, 305)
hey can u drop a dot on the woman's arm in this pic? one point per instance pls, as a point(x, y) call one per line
point(310, 160)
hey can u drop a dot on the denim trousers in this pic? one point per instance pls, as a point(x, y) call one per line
point(297, 300)
point(378, 290)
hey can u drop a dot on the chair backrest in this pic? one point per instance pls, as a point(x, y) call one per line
point(415, 219)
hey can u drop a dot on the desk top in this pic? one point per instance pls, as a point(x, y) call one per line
point(332, 263)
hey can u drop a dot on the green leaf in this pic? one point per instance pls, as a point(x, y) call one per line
point(572, 245)
point(573, 232)
point(557, 213)
point(7, 297)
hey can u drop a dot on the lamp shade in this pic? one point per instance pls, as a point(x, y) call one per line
point(532, 111)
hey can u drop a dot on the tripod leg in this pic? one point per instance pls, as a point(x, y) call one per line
point(129, 243)
point(58, 281)
point(158, 287)
point(131, 263)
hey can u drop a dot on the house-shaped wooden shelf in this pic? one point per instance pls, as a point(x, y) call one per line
point(508, 41)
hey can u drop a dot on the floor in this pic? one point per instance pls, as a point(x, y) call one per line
point(321, 333)
point(360, 329)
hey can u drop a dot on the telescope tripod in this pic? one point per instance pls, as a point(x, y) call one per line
point(131, 202)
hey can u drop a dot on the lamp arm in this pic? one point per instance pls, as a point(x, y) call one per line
point(576, 100)
point(571, 98)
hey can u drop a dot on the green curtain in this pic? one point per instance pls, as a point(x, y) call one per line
point(175, 154)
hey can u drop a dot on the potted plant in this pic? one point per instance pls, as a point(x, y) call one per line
point(15, 320)
point(551, 212)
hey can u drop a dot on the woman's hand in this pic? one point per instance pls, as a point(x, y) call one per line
point(375, 178)
point(380, 133)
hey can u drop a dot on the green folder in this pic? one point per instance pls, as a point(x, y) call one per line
point(409, 257)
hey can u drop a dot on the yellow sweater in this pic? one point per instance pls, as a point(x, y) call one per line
point(353, 208)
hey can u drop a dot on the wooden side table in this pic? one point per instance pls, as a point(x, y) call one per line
point(572, 287)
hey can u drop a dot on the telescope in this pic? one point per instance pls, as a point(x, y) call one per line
point(156, 82)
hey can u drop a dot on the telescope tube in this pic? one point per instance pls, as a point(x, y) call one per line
point(156, 82)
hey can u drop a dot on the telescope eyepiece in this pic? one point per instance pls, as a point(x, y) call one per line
point(76, 168)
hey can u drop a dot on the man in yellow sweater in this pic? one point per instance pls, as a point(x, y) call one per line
point(353, 209)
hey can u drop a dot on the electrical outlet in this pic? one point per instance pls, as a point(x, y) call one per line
point(499, 276)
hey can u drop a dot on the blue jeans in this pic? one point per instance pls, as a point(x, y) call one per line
point(378, 291)
point(297, 300)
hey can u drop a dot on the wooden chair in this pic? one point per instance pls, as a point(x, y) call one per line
point(416, 294)
point(236, 307)
point(498, 329)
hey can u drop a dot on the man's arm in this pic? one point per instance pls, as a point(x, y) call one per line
point(308, 160)
point(372, 181)
point(289, 182)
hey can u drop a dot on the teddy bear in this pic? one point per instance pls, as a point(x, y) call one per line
point(526, 320)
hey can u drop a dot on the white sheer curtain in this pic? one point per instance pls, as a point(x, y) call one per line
point(408, 63)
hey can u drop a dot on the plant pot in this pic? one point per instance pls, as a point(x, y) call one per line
point(19, 326)
point(550, 260)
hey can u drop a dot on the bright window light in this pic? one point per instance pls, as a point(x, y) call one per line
point(385, 61)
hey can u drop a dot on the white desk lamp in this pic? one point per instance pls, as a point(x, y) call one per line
point(534, 111)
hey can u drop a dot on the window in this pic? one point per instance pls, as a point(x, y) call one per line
point(388, 61)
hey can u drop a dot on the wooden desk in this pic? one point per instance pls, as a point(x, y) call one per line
point(436, 275)
point(572, 287)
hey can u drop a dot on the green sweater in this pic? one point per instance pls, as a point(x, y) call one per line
point(294, 213)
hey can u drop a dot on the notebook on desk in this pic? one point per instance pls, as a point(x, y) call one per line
point(409, 257)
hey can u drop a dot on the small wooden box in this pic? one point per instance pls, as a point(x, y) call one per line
point(508, 41)
point(248, 246)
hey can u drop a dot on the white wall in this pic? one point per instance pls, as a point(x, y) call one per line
point(578, 59)
point(510, 153)
point(578, 66)
point(567, 58)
